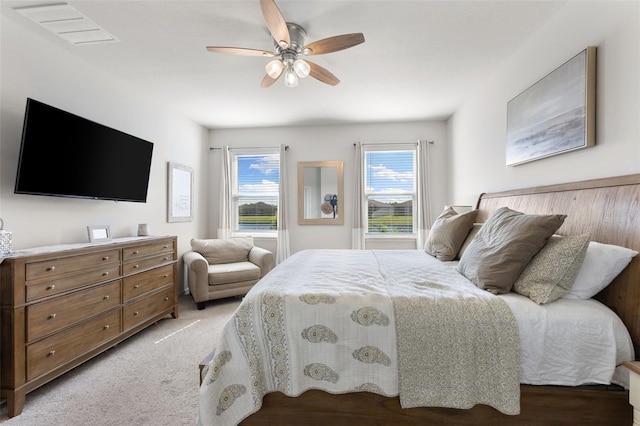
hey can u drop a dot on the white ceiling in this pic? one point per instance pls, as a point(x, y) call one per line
point(419, 61)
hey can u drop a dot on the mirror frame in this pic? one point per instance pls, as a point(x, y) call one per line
point(320, 221)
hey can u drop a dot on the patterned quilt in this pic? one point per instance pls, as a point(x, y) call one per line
point(388, 322)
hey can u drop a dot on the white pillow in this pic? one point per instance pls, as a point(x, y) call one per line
point(602, 263)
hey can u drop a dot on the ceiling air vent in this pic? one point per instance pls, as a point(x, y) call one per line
point(67, 23)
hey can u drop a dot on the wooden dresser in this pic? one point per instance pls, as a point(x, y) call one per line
point(63, 305)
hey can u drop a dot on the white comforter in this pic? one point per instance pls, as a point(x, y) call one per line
point(569, 342)
point(564, 343)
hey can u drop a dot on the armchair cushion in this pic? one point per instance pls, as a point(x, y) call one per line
point(228, 250)
point(225, 273)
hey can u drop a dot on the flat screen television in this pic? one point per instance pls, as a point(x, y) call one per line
point(64, 155)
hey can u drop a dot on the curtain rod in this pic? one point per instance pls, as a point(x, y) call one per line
point(394, 143)
point(286, 147)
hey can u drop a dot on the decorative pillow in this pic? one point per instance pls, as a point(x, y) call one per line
point(448, 233)
point(227, 250)
point(602, 263)
point(551, 272)
point(504, 245)
point(472, 234)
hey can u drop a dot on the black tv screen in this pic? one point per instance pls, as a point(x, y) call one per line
point(65, 155)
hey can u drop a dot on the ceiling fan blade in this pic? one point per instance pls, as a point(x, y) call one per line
point(240, 51)
point(322, 74)
point(275, 22)
point(333, 44)
point(267, 81)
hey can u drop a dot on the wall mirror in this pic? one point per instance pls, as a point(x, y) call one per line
point(320, 199)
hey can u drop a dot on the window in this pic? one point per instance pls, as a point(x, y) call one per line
point(255, 179)
point(390, 189)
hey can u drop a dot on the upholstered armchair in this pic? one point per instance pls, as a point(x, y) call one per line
point(219, 268)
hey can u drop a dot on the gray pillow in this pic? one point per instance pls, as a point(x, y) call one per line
point(224, 250)
point(504, 245)
point(551, 272)
point(448, 233)
point(472, 234)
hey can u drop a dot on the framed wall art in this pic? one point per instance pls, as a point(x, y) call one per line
point(180, 193)
point(556, 114)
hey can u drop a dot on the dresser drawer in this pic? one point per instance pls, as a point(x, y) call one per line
point(58, 267)
point(138, 252)
point(50, 287)
point(143, 309)
point(47, 317)
point(147, 263)
point(60, 348)
point(144, 282)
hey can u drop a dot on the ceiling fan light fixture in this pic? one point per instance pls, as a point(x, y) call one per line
point(288, 40)
point(290, 77)
point(302, 68)
point(274, 68)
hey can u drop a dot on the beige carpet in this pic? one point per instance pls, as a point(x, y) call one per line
point(149, 379)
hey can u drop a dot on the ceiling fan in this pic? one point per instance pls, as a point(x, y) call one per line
point(290, 50)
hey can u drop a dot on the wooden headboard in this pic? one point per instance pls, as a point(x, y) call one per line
point(609, 209)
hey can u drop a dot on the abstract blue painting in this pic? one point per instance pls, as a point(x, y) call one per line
point(555, 115)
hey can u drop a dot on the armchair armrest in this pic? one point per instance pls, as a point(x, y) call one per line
point(262, 258)
point(195, 261)
point(197, 275)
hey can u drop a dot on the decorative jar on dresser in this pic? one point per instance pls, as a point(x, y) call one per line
point(62, 305)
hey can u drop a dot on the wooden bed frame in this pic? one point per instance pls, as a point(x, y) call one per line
point(609, 209)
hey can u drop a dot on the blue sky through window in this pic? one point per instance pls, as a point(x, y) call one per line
point(390, 172)
point(258, 175)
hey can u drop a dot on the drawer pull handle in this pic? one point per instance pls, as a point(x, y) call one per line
point(51, 268)
point(166, 258)
point(165, 246)
point(52, 316)
point(136, 266)
point(106, 327)
point(51, 353)
point(135, 313)
point(51, 287)
point(136, 252)
point(104, 274)
point(166, 298)
point(107, 297)
point(136, 286)
point(105, 258)
point(166, 276)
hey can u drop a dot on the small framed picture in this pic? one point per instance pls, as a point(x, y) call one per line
point(99, 233)
point(180, 193)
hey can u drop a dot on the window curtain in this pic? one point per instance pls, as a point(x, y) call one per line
point(423, 222)
point(282, 248)
point(358, 231)
point(224, 213)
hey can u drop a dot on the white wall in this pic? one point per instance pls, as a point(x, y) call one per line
point(477, 131)
point(33, 67)
point(324, 143)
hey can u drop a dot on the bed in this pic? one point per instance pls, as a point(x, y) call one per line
point(327, 392)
